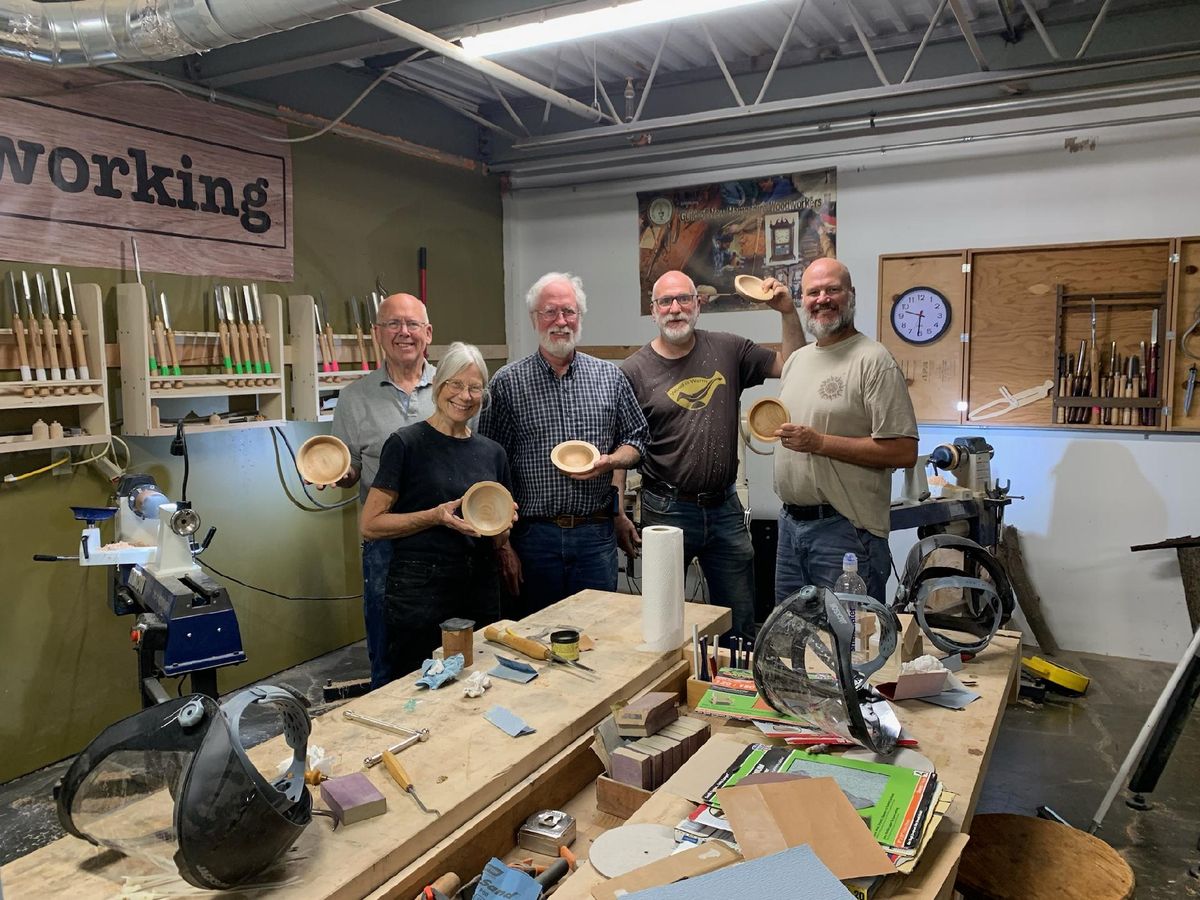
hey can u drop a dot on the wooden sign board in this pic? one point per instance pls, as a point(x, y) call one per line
point(89, 161)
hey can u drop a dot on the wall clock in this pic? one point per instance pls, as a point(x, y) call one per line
point(920, 315)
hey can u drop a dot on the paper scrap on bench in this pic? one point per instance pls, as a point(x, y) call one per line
point(768, 818)
point(499, 882)
point(793, 873)
point(508, 721)
point(955, 695)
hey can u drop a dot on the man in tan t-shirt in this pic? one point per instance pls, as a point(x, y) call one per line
point(851, 422)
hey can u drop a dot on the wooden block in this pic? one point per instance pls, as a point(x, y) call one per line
point(353, 798)
point(672, 753)
point(656, 760)
point(647, 714)
point(631, 766)
point(619, 799)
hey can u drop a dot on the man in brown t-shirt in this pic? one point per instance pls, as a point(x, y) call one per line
point(688, 383)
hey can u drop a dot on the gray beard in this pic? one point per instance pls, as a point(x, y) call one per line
point(557, 349)
point(677, 338)
point(822, 330)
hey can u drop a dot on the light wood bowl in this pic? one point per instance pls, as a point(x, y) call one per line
point(751, 287)
point(323, 459)
point(765, 417)
point(488, 508)
point(574, 456)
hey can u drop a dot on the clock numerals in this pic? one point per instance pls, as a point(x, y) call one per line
point(920, 315)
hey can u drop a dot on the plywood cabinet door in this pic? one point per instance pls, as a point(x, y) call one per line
point(933, 371)
point(1185, 350)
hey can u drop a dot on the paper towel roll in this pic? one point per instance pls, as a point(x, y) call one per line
point(662, 587)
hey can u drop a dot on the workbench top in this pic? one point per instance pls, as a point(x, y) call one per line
point(465, 766)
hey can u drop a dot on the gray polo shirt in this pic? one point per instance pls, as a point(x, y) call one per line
point(369, 410)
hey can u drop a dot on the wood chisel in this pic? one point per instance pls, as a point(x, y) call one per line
point(333, 360)
point(158, 364)
point(19, 331)
point(231, 322)
point(1191, 390)
point(262, 331)
point(77, 336)
point(1152, 374)
point(529, 647)
point(373, 318)
point(64, 336)
point(172, 350)
point(48, 333)
point(249, 357)
point(222, 331)
point(1060, 415)
point(35, 333)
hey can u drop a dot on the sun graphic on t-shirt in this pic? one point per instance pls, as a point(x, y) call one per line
point(832, 388)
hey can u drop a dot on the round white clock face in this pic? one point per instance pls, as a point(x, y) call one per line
point(920, 315)
point(661, 210)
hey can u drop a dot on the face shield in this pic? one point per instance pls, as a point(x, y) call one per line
point(958, 610)
point(802, 666)
point(173, 784)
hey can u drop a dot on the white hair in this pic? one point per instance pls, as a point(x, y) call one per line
point(458, 357)
point(535, 293)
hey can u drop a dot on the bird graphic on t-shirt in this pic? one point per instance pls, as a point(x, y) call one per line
point(697, 391)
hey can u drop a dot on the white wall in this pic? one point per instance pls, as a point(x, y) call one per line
point(1089, 496)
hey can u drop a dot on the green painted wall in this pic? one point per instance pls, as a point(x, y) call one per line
point(67, 667)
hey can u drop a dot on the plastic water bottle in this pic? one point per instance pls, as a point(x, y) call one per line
point(850, 582)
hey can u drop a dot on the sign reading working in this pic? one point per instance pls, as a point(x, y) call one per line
point(202, 189)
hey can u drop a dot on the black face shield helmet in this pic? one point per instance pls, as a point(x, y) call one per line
point(802, 665)
point(959, 612)
point(173, 784)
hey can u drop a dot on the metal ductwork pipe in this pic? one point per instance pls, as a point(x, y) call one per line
point(95, 32)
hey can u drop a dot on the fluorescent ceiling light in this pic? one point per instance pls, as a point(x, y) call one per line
point(595, 22)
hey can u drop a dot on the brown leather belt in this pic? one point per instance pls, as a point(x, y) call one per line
point(572, 521)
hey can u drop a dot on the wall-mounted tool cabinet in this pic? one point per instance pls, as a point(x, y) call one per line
point(1019, 316)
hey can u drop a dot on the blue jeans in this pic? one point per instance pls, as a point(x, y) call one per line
point(716, 535)
point(558, 562)
point(377, 558)
point(811, 553)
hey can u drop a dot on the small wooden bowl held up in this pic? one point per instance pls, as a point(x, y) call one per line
point(765, 417)
point(573, 457)
point(751, 287)
point(488, 508)
point(323, 459)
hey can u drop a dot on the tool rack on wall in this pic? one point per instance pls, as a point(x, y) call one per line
point(79, 405)
point(1113, 378)
point(201, 369)
point(323, 361)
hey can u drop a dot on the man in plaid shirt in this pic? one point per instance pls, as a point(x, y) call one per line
point(563, 541)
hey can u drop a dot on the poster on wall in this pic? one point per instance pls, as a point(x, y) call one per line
point(772, 225)
point(88, 166)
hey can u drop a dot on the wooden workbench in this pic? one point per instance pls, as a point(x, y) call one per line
point(958, 742)
point(464, 769)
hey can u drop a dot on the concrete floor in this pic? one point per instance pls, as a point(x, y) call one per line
point(1063, 754)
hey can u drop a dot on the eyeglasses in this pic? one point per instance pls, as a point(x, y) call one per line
point(551, 315)
point(835, 291)
point(409, 325)
point(684, 300)
point(457, 387)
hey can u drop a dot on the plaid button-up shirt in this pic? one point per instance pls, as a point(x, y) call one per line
point(532, 410)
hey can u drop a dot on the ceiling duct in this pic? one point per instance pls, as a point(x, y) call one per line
point(95, 32)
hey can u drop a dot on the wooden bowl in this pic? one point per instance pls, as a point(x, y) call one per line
point(488, 507)
point(751, 287)
point(574, 456)
point(323, 459)
point(765, 417)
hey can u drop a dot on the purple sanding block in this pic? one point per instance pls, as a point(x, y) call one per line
point(353, 798)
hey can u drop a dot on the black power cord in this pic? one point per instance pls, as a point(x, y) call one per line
point(261, 590)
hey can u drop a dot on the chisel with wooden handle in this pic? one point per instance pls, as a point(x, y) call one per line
point(358, 334)
point(160, 335)
point(19, 331)
point(170, 335)
point(325, 367)
point(333, 360)
point(262, 331)
point(529, 647)
point(223, 332)
point(246, 330)
point(48, 333)
point(64, 337)
point(35, 333)
point(231, 323)
point(373, 318)
point(77, 336)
